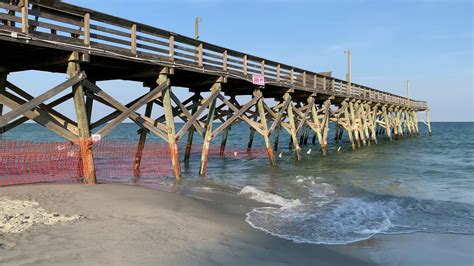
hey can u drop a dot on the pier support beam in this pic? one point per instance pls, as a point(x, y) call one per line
point(216, 88)
point(251, 136)
point(365, 122)
point(224, 141)
point(141, 142)
point(428, 123)
point(264, 126)
point(387, 122)
point(325, 126)
point(88, 169)
point(372, 117)
point(291, 120)
point(277, 138)
point(353, 124)
point(415, 121)
point(171, 132)
point(189, 140)
point(317, 128)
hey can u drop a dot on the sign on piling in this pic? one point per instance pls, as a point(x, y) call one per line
point(258, 80)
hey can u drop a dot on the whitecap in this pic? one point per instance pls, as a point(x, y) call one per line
point(270, 198)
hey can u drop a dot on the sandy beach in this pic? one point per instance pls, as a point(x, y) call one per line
point(129, 225)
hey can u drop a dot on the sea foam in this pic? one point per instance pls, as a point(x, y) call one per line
point(323, 217)
point(269, 198)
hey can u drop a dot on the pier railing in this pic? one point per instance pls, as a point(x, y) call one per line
point(89, 30)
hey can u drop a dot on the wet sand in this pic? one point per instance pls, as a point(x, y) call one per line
point(129, 225)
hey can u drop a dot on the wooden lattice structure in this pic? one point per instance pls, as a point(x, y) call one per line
point(91, 46)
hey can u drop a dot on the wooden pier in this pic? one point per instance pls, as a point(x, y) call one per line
point(91, 46)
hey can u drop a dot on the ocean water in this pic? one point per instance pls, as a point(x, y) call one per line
point(420, 184)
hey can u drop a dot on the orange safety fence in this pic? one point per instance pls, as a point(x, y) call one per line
point(24, 162)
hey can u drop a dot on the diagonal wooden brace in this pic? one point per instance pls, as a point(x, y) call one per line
point(41, 117)
point(237, 114)
point(129, 112)
point(40, 99)
point(201, 109)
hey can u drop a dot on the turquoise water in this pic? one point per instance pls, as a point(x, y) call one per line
point(421, 184)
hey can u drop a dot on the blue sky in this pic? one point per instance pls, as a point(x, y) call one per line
point(427, 42)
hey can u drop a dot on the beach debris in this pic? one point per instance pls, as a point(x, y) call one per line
point(17, 216)
point(280, 155)
point(338, 149)
point(309, 151)
point(235, 153)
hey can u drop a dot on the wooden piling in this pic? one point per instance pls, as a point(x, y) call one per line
point(251, 136)
point(318, 127)
point(291, 119)
point(141, 142)
point(428, 123)
point(264, 126)
point(415, 121)
point(353, 123)
point(170, 128)
point(189, 140)
point(387, 122)
point(325, 125)
point(208, 130)
point(336, 134)
point(277, 138)
point(224, 141)
point(87, 158)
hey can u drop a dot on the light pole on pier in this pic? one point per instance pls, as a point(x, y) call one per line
point(196, 27)
point(348, 77)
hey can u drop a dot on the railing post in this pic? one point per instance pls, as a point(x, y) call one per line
point(315, 82)
point(171, 47)
point(224, 62)
point(134, 40)
point(244, 63)
point(200, 55)
point(292, 76)
point(24, 16)
point(262, 68)
point(304, 79)
point(87, 29)
point(278, 72)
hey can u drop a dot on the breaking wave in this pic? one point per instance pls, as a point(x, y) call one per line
point(323, 217)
